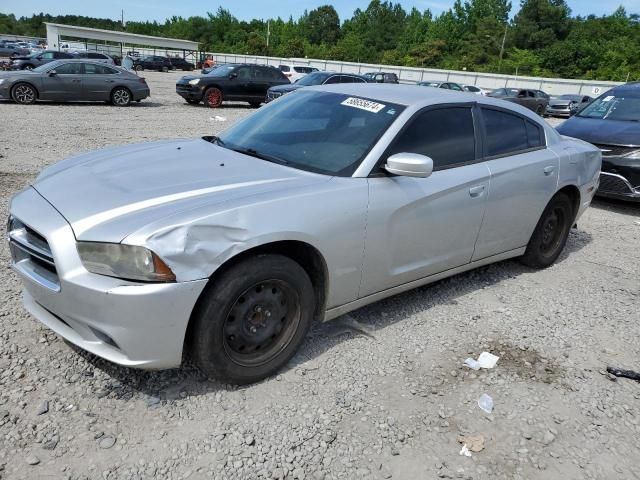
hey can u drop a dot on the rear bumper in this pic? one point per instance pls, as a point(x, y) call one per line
point(141, 94)
point(131, 324)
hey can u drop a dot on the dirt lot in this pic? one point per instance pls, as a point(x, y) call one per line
point(381, 393)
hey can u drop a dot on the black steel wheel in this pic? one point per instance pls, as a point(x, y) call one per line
point(252, 318)
point(551, 233)
point(24, 93)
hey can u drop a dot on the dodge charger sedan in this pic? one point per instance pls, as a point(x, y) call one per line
point(228, 248)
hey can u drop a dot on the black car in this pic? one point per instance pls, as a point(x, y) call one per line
point(181, 63)
point(381, 77)
point(37, 59)
point(612, 123)
point(153, 62)
point(315, 78)
point(244, 83)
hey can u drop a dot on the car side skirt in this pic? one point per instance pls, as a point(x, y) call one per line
point(361, 302)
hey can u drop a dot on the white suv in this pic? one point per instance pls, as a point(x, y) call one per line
point(296, 72)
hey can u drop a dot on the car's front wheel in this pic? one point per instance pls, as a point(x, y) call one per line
point(24, 93)
point(550, 234)
point(121, 97)
point(252, 319)
point(213, 97)
point(139, 68)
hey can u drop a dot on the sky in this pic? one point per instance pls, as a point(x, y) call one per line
point(141, 10)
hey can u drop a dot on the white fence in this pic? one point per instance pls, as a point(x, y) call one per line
point(553, 86)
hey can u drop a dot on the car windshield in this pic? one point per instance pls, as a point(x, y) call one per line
point(623, 106)
point(221, 70)
point(312, 79)
point(321, 132)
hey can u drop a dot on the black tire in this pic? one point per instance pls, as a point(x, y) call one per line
point(28, 66)
point(24, 93)
point(164, 69)
point(540, 110)
point(139, 68)
point(252, 319)
point(551, 233)
point(121, 97)
point(192, 101)
point(255, 104)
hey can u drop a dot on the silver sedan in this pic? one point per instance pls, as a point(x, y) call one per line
point(72, 81)
point(325, 200)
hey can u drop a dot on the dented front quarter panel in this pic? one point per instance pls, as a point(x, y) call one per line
point(330, 216)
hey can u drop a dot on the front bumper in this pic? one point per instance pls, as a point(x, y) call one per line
point(559, 112)
point(620, 178)
point(131, 324)
point(189, 92)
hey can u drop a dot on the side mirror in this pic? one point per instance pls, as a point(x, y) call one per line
point(52, 73)
point(233, 75)
point(409, 165)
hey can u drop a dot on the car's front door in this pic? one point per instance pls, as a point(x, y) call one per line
point(524, 177)
point(62, 82)
point(238, 86)
point(418, 227)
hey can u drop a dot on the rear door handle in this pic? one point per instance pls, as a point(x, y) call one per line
point(549, 170)
point(109, 81)
point(476, 191)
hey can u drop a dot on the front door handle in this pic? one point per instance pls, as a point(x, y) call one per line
point(109, 81)
point(549, 170)
point(476, 191)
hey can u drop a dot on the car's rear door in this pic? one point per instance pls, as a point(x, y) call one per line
point(98, 81)
point(418, 227)
point(524, 177)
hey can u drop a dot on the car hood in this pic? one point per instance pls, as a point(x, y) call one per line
point(285, 88)
point(107, 194)
point(607, 132)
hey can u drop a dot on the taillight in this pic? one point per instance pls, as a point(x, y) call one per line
point(142, 80)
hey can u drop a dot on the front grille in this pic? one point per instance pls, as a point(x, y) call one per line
point(610, 183)
point(183, 88)
point(614, 150)
point(31, 254)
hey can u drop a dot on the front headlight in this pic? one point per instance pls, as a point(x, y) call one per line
point(2, 80)
point(195, 81)
point(128, 262)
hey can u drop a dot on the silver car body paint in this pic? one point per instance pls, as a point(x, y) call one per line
point(197, 205)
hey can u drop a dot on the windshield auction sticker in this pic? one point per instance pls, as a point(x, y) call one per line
point(367, 105)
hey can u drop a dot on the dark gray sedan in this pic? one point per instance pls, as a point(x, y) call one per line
point(72, 81)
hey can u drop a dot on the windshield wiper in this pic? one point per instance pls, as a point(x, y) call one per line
point(252, 152)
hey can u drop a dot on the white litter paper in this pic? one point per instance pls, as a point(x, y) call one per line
point(465, 451)
point(485, 360)
point(218, 118)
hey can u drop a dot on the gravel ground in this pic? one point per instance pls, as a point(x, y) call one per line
point(380, 393)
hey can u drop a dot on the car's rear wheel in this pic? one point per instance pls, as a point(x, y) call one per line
point(551, 233)
point(252, 319)
point(121, 97)
point(540, 110)
point(213, 97)
point(24, 93)
point(139, 68)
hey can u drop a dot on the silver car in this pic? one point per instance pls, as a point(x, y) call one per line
point(73, 81)
point(229, 248)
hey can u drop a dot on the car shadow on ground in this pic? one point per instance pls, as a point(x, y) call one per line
point(186, 381)
point(617, 206)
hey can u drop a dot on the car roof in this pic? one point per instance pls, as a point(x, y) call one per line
point(85, 60)
point(631, 86)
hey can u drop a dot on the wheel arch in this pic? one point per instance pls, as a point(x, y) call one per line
point(573, 193)
point(303, 253)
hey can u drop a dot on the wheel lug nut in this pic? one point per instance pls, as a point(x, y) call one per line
point(253, 329)
point(267, 313)
point(258, 309)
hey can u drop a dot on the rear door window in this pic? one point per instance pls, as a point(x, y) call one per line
point(69, 69)
point(93, 69)
point(507, 133)
point(446, 135)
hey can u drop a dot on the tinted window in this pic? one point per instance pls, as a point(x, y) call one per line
point(92, 69)
point(284, 68)
point(358, 80)
point(302, 69)
point(446, 135)
point(68, 69)
point(96, 55)
point(534, 135)
point(455, 86)
point(505, 132)
point(244, 73)
point(47, 55)
point(268, 73)
point(333, 79)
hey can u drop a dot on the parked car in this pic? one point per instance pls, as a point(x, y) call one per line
point(72, 81)
point(438, 84)
point(331, 198)
point(474, 89)
point(180, 63)
point(315, 78)
point(534, 100)
point(38, 59)
point(612, 123)
point(381, 77)
point(566, 105)
point(244, 83)
point(95, 56)
point(10, 49)
point(296, 72)
point(152, 62)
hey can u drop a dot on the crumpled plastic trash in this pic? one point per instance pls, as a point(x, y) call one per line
point(485, 360)
point(485, 402)
point(218, 118)
point(465, 451)
point(474, 443)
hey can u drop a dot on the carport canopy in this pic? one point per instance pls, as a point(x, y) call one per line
point(56, 30)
